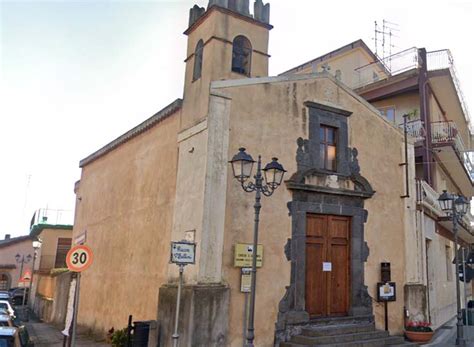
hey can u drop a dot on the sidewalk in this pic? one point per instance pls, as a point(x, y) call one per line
point(46, 335)
point(446, 336)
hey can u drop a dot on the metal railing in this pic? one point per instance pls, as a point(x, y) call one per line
point(415, 128)
point(386, 67)
point(427, 197)
point(441, 60)
point(447, 133)
point(55, 217)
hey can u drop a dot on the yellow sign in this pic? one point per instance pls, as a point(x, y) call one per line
point(243, 255)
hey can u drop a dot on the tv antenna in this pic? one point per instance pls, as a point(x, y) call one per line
point(385, 42)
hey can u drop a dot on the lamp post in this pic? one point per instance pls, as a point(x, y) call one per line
point(266, 184)
point(455, 207)
point(36, 247)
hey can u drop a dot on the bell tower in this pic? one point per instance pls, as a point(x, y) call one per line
point(225, 41)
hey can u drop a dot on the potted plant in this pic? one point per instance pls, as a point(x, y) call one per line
point(419, 332)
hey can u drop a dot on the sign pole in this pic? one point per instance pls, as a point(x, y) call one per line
point(178, 302)
point(76, 309)
point(386, 314)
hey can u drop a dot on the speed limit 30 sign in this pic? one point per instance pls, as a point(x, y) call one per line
point(79, 258)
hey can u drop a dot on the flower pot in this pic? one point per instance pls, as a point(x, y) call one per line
point(419, 336)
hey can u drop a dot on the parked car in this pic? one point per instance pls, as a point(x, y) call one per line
point(16, 296)
point(9, 337)
point(6, 305)
point(6, 320)
point(4, 295)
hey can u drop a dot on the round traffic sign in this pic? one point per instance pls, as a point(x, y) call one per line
point(79, 258)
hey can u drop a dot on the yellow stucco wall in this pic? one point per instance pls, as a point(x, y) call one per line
point(267, 119)
point(46, 286)
point(355, 67)
point(217, 32)
point(47, 253)
point(126, 207)
point(404, 104)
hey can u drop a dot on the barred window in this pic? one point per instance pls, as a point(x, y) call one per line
point(64, 245)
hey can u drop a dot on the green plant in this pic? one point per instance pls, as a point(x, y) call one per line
point(119, 338)
point(413, 114)
point(58, 271)
point(421, 327)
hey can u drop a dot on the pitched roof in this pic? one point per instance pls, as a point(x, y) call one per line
point(140, 128)
point(14, 240)
point(340, 50)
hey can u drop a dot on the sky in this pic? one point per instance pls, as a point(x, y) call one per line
point(74, 75)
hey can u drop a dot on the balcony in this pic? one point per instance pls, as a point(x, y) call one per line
point(385, 68)
point(449, 148)
point(416, 129)
point(440, 61)
point(427, 201)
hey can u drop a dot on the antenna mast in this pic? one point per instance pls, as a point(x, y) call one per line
point(386, 47)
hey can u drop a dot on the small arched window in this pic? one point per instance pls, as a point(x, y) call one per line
point(198, 60)
point(241, 55)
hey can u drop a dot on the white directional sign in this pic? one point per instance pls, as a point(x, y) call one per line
point(79, 258)
point(183, 252)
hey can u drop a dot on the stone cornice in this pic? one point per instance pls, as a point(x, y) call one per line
point(150, 122)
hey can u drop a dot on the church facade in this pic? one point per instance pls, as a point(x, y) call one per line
point(341, 212)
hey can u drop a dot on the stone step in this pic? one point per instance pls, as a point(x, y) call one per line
point(323, 321)
point(341, 338)
point(374, 342)
point(330, 330)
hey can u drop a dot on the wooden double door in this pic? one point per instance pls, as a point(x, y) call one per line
point(328, 258)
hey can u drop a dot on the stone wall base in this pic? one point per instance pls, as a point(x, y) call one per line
point(203, 317)
point(416, 302)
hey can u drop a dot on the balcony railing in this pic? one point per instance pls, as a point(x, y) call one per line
point(386, 67)
point(447, 133)
point(415, 128)
point(441, 60)
point(49, 216)
point(427, 197)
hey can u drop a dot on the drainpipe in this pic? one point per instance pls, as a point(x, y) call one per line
point(425, 114)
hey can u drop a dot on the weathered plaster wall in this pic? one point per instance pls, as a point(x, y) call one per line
point(47, 253)
point(353, 66)
point(7, 257)
point(217, 32)
point(125, 203)
point(404, 104)
point(267, 119)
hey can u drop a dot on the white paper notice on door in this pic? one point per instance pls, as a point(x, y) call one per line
point(327, 266)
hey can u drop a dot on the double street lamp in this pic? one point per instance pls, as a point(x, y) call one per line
point(455, 207)
point(266, 184)
point(36, 246)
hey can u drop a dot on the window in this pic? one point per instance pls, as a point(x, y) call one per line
point(241, 55)
point(4, 282)
point(198, 60)
point(64, 245)
point(389, 113)
point(449, 266)
point(328, 147)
